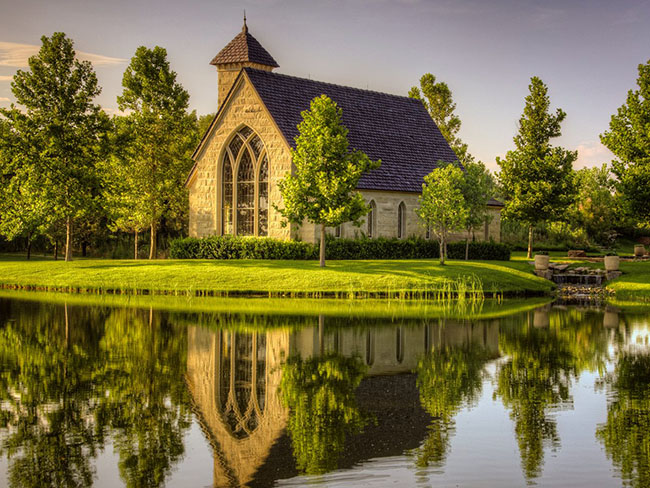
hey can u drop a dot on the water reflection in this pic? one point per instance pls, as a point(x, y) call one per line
point(276, 397)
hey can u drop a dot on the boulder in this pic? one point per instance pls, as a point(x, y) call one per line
point(577, 253)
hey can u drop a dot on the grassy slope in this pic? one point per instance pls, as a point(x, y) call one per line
point(188, 276)
point(635, 282)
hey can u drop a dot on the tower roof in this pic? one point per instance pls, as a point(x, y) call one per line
point(244, 48)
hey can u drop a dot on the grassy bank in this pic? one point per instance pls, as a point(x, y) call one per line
point(373, 278)
point(634, 285)
point(192, 307)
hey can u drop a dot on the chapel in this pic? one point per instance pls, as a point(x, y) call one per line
point(246, 152)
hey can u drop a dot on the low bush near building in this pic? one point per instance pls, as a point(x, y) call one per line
point(231, 247)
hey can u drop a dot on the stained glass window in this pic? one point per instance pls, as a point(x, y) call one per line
point(226, 178)
point(246, 195)
point(247, 161)
point(263, 198)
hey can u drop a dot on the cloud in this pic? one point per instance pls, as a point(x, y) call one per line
point(16, 55)
point(592, 153)
point(6, 77)
point(4, 99)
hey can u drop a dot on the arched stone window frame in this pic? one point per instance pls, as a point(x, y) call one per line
point(371, 224)
point(243, 141)
point(401, 220)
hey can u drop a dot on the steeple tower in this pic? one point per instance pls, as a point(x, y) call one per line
point(244, 51)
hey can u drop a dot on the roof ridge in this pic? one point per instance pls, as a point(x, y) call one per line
point(329, 83)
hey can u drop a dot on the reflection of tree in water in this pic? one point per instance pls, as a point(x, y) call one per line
point(448, 379)
point(626, 434)
point(146, 399)
point(70, 374)
point(320, 393)
point(48, 358)
point(542, 362)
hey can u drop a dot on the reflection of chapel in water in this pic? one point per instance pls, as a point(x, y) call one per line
point(234, 377)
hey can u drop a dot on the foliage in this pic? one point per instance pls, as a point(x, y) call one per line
point(442, 204)
point(322, 190)
point(628, 138)
point(57, 137)
point(536, 378)
point(537, 178)
point(626, 434)
point(478, 189)
point(162, 137)
point(437, 99)
point(320, 394)
point(595, 207)
point(231, 247)
point(75, 376)
point(448, 379)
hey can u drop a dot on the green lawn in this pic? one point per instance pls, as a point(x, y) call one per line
point(634, 285)
point(301, 278)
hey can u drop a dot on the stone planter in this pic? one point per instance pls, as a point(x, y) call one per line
point(639, 250)
point(541, 262)
point(611, 263)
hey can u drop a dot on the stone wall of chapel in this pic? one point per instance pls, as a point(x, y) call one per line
point(244, 108)
point(387, 203)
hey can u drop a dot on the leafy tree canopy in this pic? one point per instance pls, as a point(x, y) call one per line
point(628, 138)
point(322, 189)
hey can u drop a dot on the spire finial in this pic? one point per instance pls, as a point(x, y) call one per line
point(245, 28)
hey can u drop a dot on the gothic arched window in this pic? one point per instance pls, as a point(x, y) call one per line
point(401, 221)
point(372, 220)
point(245, 186)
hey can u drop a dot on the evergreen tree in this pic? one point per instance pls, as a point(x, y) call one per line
point(537, 178)
point(629, 139)
point(162, 135)
point(322, 189)
point(56, 138)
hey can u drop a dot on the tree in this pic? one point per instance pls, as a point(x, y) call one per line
point(437, 99)
point(537, 178)
point(596, 206)
point(322, 188)
point(442, 205)
point(59, 132)
point(162, 135)
point(204, 122)
point(629, 139)
point(478, 188)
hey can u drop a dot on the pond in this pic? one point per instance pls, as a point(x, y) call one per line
point(107, 395)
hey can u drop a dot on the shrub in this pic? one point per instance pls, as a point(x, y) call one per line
point(232, 247)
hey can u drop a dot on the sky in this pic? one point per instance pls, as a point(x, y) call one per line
point(587, 52)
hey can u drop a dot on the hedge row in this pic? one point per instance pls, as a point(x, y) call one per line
point(230, 247)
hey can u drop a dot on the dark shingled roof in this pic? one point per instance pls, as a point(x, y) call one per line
point(244, 47)
point(397, 130)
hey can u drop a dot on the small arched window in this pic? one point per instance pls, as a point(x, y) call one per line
point(401, 221)
point(372, 220)
point(245, 186)
point(338, 231)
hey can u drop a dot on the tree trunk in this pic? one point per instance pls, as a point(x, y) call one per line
point(530, 242)
point(56, 249)
point(135, 255)
point(322, 245)
point(29, 247)
point(84, 249)
point(68, 239)
point(467, 247)
point(153, 251)
point(442, 250)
